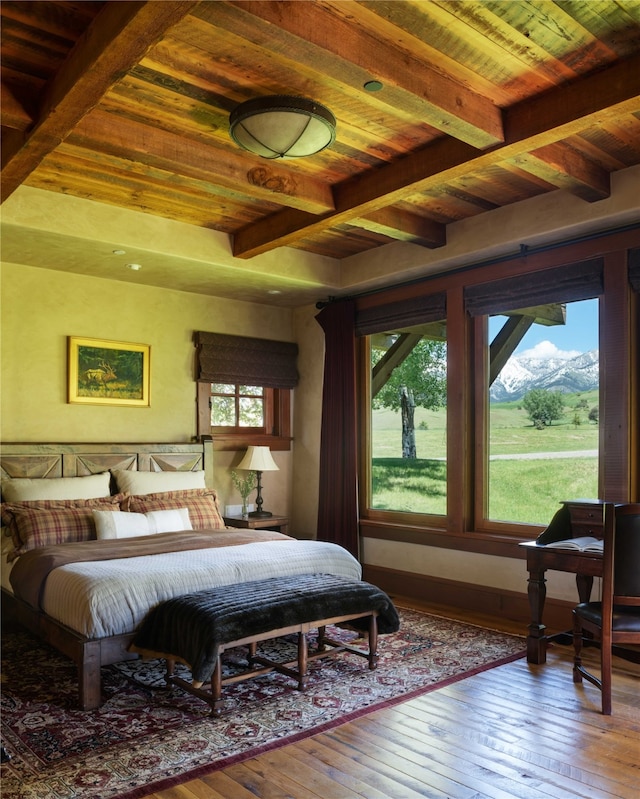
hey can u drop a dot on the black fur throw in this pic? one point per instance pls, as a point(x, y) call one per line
point(192, 627)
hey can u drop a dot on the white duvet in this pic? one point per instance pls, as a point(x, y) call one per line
point(110, 597)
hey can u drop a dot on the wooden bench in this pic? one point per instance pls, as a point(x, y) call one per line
point(214, 695)
point(198, 628)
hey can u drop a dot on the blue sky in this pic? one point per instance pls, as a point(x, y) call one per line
point(580, 334)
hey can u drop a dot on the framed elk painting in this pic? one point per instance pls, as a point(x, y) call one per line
point(108, 372)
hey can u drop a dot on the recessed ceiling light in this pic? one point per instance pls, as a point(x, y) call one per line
point(274, 291)
point(373, 85)
point(119, 252)
point(135, 267)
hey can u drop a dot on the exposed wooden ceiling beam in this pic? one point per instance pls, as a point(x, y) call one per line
point(360, 199)
point(116, 40)
point(606, 94)
point(269, 181)
point(592, 98)
point(12, 140)
point(13, 114)
point(565, 168)
point(434, 97)
point(404, 226)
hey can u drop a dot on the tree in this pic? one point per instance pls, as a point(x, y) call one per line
point(542, 406)
point(419, 381)
point(594, 414)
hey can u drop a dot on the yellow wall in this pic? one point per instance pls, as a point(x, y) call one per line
point(41, 307)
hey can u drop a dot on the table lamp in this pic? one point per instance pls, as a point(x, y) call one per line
point(258, 460)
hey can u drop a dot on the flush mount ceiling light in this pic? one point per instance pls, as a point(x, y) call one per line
point(282, 126)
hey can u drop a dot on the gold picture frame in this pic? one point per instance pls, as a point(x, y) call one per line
point(108, 372)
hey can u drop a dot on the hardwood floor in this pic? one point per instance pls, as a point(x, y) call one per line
point(515, 732)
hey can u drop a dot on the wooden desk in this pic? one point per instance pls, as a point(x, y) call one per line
point(576, 517)
point(585, 565)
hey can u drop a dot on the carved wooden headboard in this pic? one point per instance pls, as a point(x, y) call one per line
point(77, 460)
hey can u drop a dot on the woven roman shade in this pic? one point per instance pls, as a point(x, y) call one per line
point(401, 314)
point(239, 360)
point(579, 281)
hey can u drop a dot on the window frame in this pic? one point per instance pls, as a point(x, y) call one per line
point(277, 416)
point(483, 524)
point(432, 521)
point(237, 397)
point(467, 367)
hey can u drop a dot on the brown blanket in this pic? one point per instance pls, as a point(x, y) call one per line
point(29, 573)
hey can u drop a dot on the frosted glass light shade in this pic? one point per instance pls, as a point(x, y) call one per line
point(282, 126)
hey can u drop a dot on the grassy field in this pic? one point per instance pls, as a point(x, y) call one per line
point(521, 489)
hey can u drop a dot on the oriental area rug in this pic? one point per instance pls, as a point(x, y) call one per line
point(147, 737)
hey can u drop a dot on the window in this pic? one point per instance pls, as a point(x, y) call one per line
point(238, 418)
point(521, 471)
point(405, 474)
point(508, 467)
point(409, 420)
point(244, 390)
point(235, 407)
point(543, 410)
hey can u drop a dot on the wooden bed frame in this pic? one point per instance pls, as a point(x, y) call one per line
point(76, 460)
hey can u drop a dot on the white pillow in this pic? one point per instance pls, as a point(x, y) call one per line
point(27, 489)
point(119, 524)
point(153, 482)
point(168, 521)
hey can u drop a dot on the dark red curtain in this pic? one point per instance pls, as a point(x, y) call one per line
point(338, 501)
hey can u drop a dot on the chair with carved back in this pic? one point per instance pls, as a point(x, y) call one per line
point(616, 619)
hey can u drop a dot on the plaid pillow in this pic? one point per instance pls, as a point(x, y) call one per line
point(202, 504)
point(40, 523)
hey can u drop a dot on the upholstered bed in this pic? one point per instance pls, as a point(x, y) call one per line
point(83, 571)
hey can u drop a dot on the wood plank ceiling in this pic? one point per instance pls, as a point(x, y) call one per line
point(484, 103)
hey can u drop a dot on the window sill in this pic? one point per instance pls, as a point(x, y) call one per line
point(502, 545)
point(234, 443)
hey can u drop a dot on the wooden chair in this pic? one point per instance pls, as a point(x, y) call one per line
point(616, 619)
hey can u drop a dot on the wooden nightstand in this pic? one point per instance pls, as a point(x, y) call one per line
point(278, 523)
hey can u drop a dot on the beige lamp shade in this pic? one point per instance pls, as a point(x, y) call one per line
point(258, 459)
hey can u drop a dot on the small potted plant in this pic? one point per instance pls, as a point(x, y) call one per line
point(245, 486)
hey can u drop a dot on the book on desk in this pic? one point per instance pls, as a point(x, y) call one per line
point(585, 543)
point(577, 525)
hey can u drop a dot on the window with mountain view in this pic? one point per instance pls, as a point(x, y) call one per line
point(543, 410)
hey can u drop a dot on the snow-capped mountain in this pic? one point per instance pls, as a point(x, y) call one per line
point(522, 373)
